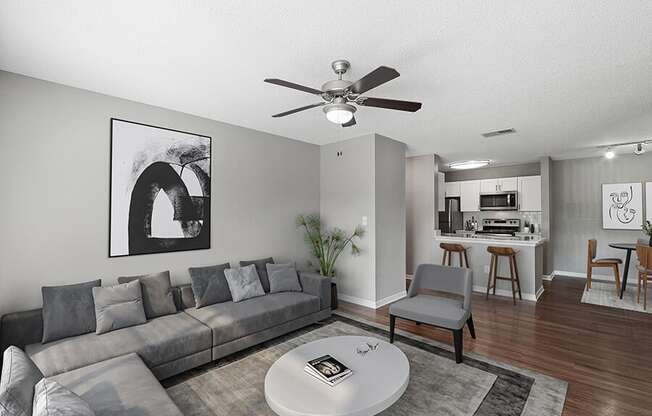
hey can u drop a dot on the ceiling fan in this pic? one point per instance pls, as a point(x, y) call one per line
point(339, 95)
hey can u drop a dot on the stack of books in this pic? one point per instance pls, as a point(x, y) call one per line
point(328, 370)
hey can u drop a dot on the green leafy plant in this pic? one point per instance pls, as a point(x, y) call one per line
point(327, 245)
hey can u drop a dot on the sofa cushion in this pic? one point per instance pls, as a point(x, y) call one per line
point(119, 386)
point(118, 306)
point(283, 278)
point(52, 399)
point(209, 284)
point(158, 341)
point(19, 376)
point(434, 310)
point(261, 268)
point(232, 320)
point(68, 310)
point(244, 283)
point(156, 288)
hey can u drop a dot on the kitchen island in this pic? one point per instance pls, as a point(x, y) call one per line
point(529, 261)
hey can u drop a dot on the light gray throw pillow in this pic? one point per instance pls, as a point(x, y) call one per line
point(68, 310)
point(261, 269)
point(52, 399)
point(19, 376)
point(244, 283)
point(283, 278)
point(209, 284)
point(158, 299)
point(118, 306)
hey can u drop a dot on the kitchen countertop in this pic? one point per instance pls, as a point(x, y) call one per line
point(499, 241)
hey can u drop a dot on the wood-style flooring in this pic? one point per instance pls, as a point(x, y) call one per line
point(605, 354)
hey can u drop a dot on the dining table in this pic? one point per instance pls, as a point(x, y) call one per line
point(629, 247)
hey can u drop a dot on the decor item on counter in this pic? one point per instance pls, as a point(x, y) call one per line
point(647, 229)
point(160, 190)
point(327, 245)
point(622, 206)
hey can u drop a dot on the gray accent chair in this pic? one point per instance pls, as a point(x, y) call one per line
point(446, 305)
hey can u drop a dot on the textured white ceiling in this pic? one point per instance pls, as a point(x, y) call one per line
point(565, 74)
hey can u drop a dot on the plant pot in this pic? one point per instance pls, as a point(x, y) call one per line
point(650, 242)
point(333, 295)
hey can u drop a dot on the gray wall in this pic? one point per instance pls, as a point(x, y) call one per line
point(390, 217)
point(546, 165)
point(54, 168)
point(420, 216)
point(528, 169)
point(576, 214)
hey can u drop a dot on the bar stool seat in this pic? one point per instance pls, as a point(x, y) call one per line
point(496, 254)
point(450, 248)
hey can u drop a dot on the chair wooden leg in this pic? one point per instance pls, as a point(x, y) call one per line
point(466, 259)
point(638, 288)
point(512, 278)
point(495, 274)
point(461, 263)
point(469, 323)
point(617, 276)
point(443, 259)
point(589, 273)
point(450, 254)
point(491, 271)
point(458, 341)
point(645, 292)
point(392, 323)
point(518, 280)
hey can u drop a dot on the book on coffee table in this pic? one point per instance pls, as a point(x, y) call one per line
point(328, 369)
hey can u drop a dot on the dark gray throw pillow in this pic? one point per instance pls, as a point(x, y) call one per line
point(209, 284)
point(244, 283)
point(52, 399)
point(68, 310)
point(118, 306)
point(156, 288)
point(19, 376)
point(261, 268)
point(283, 278)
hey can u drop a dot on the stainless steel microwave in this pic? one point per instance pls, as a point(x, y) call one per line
point(500, 201)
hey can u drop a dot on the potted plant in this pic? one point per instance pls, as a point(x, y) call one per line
point(647, 229)
point(328, 245)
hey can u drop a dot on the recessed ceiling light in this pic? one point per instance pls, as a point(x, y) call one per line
point(468, 164)
point(609, 154)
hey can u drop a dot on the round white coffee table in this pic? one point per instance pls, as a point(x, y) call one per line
point(380, 379)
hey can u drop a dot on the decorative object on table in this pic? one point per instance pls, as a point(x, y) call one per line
point(622, 206)
point(644, 271)
point(327, 369)
point(160, 190)
point(592, 261)
point(327, 245)
point(647, 229)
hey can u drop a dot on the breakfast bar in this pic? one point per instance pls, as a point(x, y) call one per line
point(529, 260)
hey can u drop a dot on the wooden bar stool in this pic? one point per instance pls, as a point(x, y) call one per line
point(496, 254)
point(450, 248)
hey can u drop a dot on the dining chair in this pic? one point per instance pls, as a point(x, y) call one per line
point(592, 262)
point(644, 254)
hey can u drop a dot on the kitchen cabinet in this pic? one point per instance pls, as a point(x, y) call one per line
point(529, 193)
point(452, 189)
point(489, 186)
point(508, 184)
point(441, 192)
point(470, 196)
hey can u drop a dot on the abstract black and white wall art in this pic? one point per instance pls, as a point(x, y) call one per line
point(622, 206)
point(160, 190)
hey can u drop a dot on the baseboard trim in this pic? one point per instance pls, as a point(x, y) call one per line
point(370, 303)
point(540, 292)
point(506, 293)
point(608, 278)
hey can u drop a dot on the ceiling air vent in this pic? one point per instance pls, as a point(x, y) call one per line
point(498, 133)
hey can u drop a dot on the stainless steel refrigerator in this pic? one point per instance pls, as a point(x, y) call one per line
point(451, 219)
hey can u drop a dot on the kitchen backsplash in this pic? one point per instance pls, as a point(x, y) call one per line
point(530, 217)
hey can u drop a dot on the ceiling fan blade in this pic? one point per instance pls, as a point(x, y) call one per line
point(296, 110)
point(377, 77)
point(293, 86)
point(390, 104)
point(350, 122)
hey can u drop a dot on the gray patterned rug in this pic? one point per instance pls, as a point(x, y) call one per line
point(438, 386)
point(604, 294)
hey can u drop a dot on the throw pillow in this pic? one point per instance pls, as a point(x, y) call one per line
point(19, 376)
point(261, 268)
point(118, 306)
point(244, 283)
point(283, 278)
point(52, 399)
point(158, 299)
point(68, 310)
point(209, 284)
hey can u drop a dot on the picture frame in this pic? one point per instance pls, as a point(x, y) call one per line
point(622, 206)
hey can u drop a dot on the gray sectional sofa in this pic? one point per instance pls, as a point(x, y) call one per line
point(118, 372)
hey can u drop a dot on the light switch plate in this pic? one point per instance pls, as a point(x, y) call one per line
point(364, 221)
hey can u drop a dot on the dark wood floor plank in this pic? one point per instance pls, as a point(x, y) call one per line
point(604, 354)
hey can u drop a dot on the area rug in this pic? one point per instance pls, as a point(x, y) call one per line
point(438, 386)
point(604, 294)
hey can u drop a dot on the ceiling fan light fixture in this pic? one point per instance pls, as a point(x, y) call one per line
point(339, 113)
point(469, 164)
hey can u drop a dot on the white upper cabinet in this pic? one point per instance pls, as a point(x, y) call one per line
point(452, 189)
point(508, 184)
point(441, 192)
point(470, 196)
point(488, 186)
point(529, 193)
